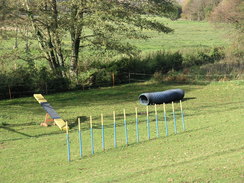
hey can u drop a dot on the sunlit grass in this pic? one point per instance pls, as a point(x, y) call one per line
point(211, 150)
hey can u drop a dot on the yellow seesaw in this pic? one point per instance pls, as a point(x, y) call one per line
point(50, 112)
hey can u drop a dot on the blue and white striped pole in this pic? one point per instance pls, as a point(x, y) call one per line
point(148, 125)
point(67, 140)
point(174, 117)
point(137, 127)
point(103, 140)
point(126, 130)
point(182, 117)
point(165, 121)
point(115, 135)
point(156, 118)
point(91, 135)
point(80, 137)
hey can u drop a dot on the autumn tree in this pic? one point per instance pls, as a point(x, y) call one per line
point(198, 9)
point(231, 12)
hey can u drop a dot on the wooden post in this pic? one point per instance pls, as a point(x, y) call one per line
point(9, 92)
point(46, 88)
point(113, 79)
point(129, 77)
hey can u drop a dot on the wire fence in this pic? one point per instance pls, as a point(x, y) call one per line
point(8, 91)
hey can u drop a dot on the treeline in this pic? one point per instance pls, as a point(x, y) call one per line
point(224, 10)
point(226, 14)
point(25, 80)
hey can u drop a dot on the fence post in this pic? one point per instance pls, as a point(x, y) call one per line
point(46, 87)
point(9, 92)
point(129, 77)
point(113, 79)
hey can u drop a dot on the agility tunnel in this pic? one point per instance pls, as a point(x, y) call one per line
point(50, 111)
point(161, 97)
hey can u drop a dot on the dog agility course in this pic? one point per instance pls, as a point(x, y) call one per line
point(209, 150)
point(153, 98)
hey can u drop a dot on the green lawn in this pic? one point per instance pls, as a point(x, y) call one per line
point(211, 150)
point(187, 37)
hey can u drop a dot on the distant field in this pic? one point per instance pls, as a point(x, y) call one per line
point(211, 150)
point(187, 36)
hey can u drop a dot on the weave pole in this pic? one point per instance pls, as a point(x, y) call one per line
point(137, 127)
point(91, 135)
point(80, 137)
point(148, 125)
point(165, 121)
point(182, 116)
point(173, 110)
point(103, 140)
point(115, 135)
point(156, 120)
point(126, 130)
point(67, 141)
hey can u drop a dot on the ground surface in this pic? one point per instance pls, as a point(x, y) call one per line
point(211, 150)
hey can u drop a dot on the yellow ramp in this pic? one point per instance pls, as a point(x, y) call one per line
point(40, 98)
point(49, 109)
point(60, 123)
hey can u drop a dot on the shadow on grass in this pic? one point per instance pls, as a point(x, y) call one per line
point(159, 168)
point(15, 131)
point(143, 142)
point(10, 128)
point(118, 94)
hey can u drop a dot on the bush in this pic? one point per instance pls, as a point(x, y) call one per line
point(202, 57)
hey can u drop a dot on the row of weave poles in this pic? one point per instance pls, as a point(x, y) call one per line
point(126, 129)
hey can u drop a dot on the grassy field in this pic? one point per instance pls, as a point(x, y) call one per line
point(210, 150)
point(188, 36)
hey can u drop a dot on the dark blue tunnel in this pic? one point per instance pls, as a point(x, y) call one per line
point(161, 97)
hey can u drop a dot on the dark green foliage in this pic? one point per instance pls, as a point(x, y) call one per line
point(28, 80)
point(25, 81)
point(203, 57)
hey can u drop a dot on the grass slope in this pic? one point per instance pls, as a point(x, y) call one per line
point(187, 36)
point(211, 150)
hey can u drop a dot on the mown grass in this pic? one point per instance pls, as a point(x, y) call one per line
point(188, 36)
point(211, 150)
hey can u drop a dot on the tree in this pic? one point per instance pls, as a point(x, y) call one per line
point(92, 25)
point(231, 12)
point(198, 9)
